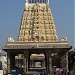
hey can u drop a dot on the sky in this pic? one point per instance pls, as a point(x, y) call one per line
point(11, 13)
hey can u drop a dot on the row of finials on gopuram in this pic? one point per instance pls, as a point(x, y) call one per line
point(37, 1)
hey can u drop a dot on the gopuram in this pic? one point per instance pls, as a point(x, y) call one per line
point(37, 42)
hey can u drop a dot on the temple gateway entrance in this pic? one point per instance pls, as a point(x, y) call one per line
point(37, 44)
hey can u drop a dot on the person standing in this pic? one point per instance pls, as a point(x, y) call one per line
point(58, 71)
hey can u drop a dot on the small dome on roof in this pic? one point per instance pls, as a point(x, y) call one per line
point(10, 39)
point(63, 39)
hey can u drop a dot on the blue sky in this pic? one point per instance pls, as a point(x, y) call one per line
point(11, 12)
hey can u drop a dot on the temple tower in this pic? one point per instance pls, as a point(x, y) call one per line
point(37, 23)
point(37, 42)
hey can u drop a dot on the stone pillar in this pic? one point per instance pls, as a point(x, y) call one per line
point(24, 62)
point(64, 62)
point(43, 63)
point(33, 63)
point(47, 60)
point(50, 63)
point(26, 58)
point(12, 59)
point(27, 61)
point(67, 62)
point(8, 62)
